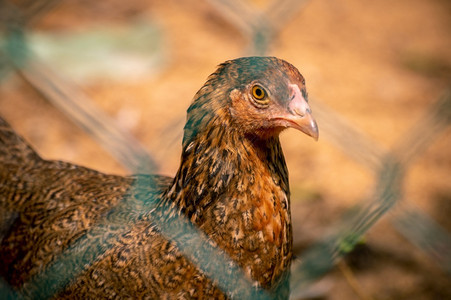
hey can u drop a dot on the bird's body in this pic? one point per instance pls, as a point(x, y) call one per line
point(232, 184)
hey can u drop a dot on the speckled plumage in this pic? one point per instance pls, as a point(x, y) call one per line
point(232, 184)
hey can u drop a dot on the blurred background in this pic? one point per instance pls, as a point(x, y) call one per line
point(378, 75)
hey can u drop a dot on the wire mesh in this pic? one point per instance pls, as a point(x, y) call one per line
point(260, 28)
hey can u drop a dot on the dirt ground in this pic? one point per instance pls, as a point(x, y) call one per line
point(380, 65)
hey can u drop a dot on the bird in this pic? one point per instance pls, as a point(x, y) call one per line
point(232, 185)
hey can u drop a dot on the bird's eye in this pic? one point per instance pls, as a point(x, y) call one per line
point(259, 94)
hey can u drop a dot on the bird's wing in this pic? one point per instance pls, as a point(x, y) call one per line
point(46, 206)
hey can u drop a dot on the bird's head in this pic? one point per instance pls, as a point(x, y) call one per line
point(259, 96)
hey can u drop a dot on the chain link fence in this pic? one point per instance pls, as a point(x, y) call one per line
point(260, 28)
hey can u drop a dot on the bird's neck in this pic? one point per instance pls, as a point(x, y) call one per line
point(236, 190)
point(221, 162)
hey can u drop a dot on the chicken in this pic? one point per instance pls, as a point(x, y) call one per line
point(232, 184)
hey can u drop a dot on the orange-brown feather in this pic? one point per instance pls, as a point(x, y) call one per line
point(232, 183)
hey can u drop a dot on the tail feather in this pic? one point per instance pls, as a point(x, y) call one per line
point(13, 149)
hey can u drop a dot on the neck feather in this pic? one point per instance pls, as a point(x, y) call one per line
point(235, 188)
point(220, 161)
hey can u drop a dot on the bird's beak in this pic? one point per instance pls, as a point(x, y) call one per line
point(300, 116)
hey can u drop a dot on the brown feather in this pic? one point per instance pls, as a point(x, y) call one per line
point(232, 184)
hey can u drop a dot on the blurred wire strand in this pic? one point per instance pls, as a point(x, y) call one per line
point(257, 25)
